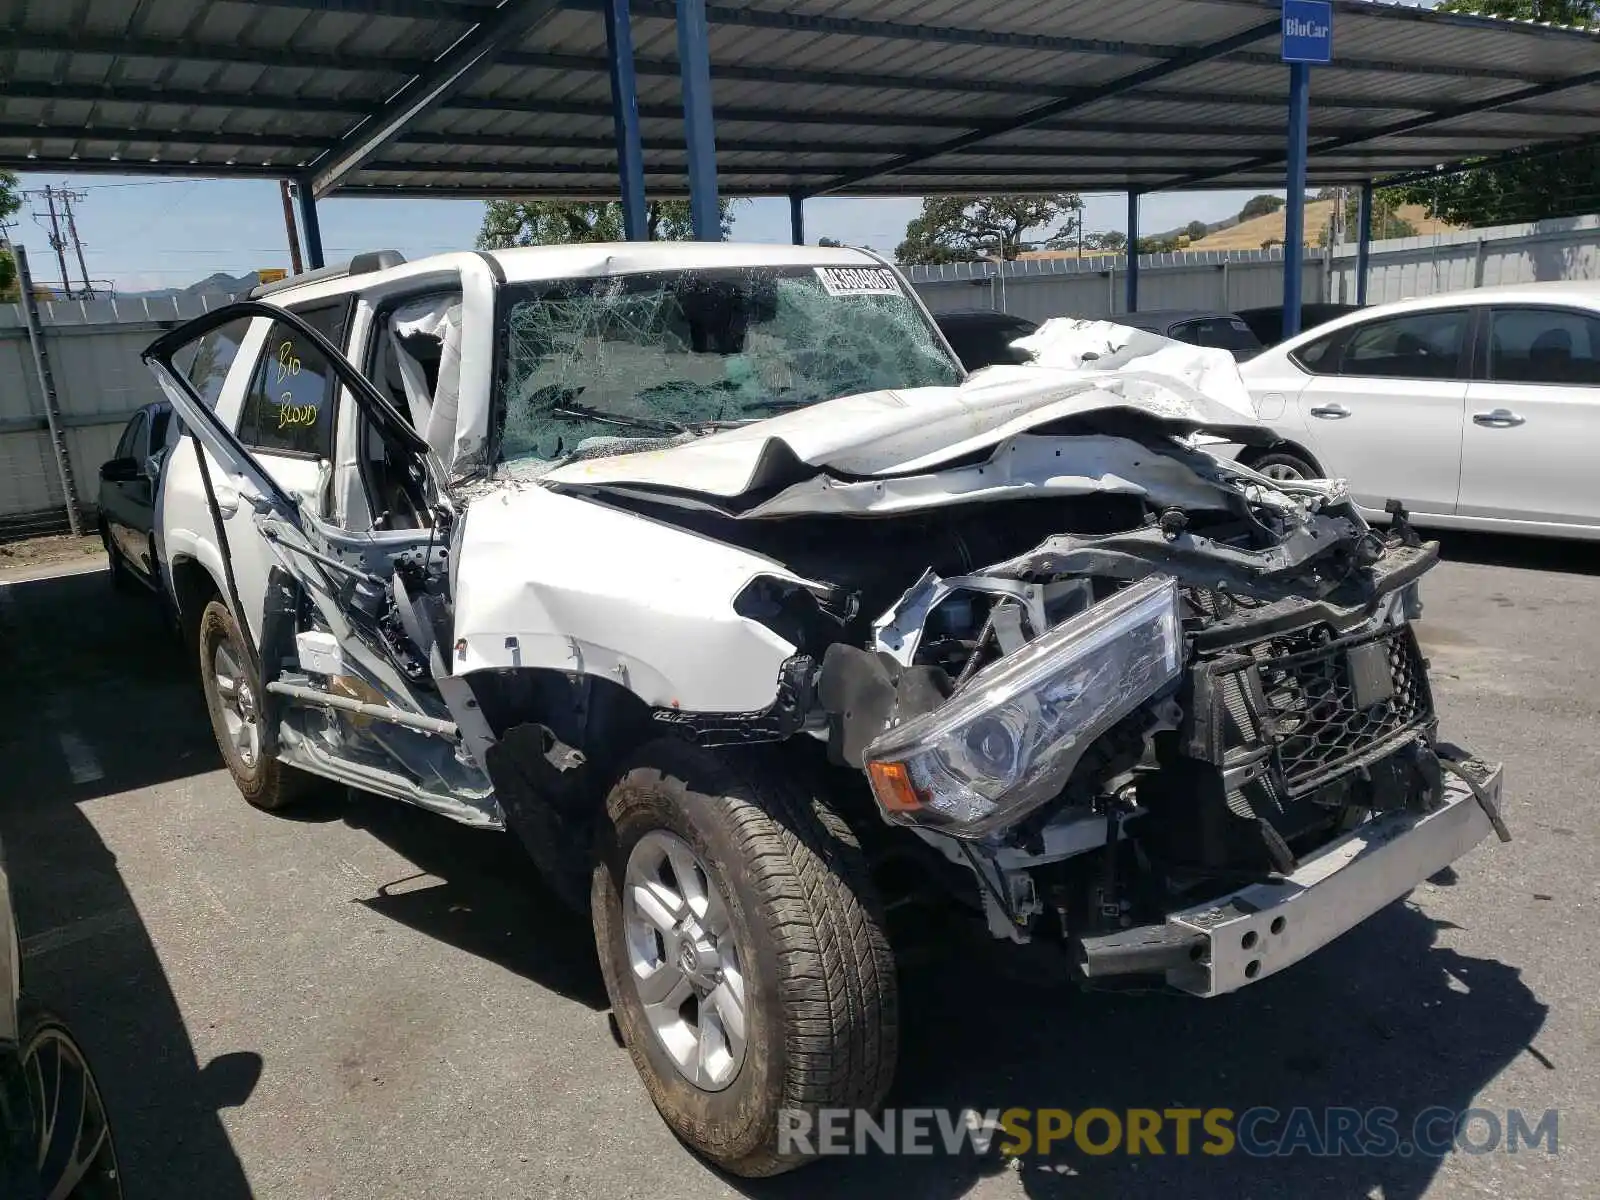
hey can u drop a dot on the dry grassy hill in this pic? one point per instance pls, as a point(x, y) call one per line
point(1249, 235)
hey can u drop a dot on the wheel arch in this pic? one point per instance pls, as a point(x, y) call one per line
point(1255, 454)
point(194, 585)
point(560, 739)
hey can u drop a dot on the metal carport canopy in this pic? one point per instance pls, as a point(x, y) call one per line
point(843, 97)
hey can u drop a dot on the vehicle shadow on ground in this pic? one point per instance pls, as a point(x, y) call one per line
point(1518, 553)
point(477, 890)
point(74, 729)
point(1384, 1017)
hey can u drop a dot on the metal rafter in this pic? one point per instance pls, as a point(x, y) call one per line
point(986, 130)
point(469, 57)
point(402, 65)
point(761, 18)
point(1539, 150)
point(1399, 127)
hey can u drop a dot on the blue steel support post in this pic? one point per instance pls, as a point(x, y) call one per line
point(1363, 243)
point(1294, 226)
point(625, 119)
point(694, 65)
point(797, 218)
point(310, 227)
point(1132, 304)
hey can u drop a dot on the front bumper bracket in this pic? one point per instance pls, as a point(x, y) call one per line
point(1238, 939)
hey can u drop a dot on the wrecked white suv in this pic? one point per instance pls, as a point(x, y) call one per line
point(706, 571)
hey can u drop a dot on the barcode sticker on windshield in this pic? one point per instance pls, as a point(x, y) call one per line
point(858, 281)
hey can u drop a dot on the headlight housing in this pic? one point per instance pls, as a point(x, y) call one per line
point(1009, 740)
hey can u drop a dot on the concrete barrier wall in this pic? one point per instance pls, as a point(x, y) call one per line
point(1040, 288)
point(94, 348)
point(94, 345)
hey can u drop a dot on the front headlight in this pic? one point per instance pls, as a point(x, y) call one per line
point(1009, 740)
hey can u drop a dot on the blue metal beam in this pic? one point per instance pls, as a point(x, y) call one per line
point(458, 66)
point(694, 58)
point(1437, 116)
point(797, 218)
point(1294, 212)
point(1131, 284)
point(310, 227)
point(985, 130)
point(625, 120)
point(1363, 243)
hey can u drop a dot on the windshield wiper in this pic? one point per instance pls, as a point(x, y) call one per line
point(582, 412)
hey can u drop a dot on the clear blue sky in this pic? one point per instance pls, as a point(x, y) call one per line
point(143, 232)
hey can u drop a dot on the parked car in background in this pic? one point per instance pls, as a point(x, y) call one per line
point(982, 337)
point(127, 504)
point(1219, 330)
point(1476, 410)
point(1267, 323)
point(54, 1139)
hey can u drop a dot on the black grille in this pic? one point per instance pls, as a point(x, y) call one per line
point(1312, 708)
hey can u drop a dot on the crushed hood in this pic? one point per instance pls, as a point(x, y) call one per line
point(1079, 367)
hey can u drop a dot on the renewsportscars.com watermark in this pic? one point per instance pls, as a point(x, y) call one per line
point(1255, 1132)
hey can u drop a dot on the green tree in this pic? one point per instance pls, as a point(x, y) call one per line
point(1552, 12)
point(964, 228)
point(10, 202)
point(508, 223)
point(1197, 230)
point(1526, 189)
point(1260, 206)
point(1112, 241)
point(1386, 219)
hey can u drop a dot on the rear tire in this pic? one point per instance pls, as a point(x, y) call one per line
point(121, 580)
point(1285, 465)
point(233, 697)
point(72, 1152)
point(801, 934)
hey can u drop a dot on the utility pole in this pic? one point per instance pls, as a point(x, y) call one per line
point(58, 240)
point(77, 242)
point(288, 225)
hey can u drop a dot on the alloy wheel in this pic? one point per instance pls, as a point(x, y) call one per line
point(240, 714)
point(76, 1158)
point(684, 958)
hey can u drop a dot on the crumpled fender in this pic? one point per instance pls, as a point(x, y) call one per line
point(556, 582)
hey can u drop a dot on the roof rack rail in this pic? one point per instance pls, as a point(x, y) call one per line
point(362, 264)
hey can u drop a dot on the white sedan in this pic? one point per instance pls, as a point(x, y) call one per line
point(1476, 410)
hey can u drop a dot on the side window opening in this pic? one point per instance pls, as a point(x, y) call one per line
point(128, 446)
point(207, 366)
point(1425, 345)
point(1544, 346)
point(416, 363)
point(289, 407)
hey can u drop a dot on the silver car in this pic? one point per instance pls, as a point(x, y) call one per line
point(1476, 410)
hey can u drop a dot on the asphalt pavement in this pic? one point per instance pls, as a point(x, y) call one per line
point(363, 1000)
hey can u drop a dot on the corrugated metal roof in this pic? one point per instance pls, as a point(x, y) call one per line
point(865, 97)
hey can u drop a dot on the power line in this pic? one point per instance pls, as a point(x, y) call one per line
point(58, 240)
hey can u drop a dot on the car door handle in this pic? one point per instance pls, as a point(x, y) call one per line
point(1500, 418)
point(1331, 412)
point(227, 500)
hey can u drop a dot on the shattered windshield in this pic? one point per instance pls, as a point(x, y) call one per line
point(662, 353)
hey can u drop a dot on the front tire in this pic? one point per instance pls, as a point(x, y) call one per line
point(1285, 465)
point(743, 949)
point(233, 697)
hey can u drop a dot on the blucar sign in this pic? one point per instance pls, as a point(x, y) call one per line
point(1307, 31)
